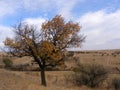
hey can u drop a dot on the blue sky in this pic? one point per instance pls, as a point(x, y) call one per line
point(100, 19)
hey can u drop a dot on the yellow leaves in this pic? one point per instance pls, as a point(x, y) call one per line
point(46, 46)
point(49, 51)
point(62, 64)
point(56, 56)
point(8, 41)
point(11, 43)
point(57, 30)
point(53, 24)
point(72, 28)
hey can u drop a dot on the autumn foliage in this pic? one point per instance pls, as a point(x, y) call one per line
point(47, 45)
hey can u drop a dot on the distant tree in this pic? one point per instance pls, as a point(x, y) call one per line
point(46, 46)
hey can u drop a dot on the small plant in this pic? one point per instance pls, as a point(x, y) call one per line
point(69, 78)
point(102, 54)
point(8, 63)
point(114, 55)
point(115, 83)
point(70, 54)
point(90, 75)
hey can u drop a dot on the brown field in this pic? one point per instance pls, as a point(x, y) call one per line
point(56, 80)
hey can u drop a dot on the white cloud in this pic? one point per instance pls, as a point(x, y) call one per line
point(63, 7)
point(35, 21)
point(102, 29)
point(7, 7)
point(41, 5)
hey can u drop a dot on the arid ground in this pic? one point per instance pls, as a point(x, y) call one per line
point(56, 80)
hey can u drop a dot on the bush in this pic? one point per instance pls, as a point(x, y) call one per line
point(115, 83)
point(8, 63)
point(90, 75)
point(21, 67)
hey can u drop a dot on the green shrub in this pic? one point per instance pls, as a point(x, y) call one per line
point(115, 83)
point(8, 63)
point(90, 75)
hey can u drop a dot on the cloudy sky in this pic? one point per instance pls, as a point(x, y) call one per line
point(100, 19)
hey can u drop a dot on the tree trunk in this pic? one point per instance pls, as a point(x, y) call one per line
point(43, 79)
point(42, 67)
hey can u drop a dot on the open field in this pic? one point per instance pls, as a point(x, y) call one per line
point(56, 80)
point(14, 80)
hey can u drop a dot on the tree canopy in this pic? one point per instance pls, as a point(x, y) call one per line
point(47, 45)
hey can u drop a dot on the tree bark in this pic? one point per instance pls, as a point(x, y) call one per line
point(42, 72)
point(43, 79)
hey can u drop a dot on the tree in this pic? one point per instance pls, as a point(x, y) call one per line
point(47, 45)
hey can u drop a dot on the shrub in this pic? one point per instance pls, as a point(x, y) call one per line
point(90, 75)
point(115, 83)
point(8, 63)
point(21, 67)
point(70, 79)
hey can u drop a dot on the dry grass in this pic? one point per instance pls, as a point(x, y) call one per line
point(14, 80)
point(107, 58)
